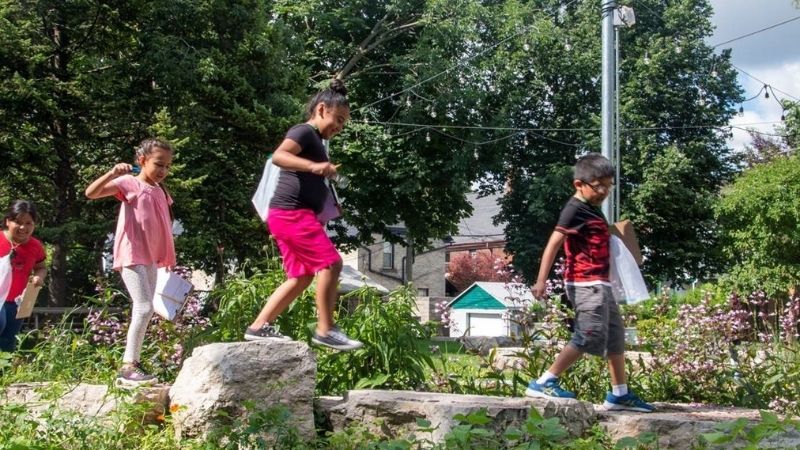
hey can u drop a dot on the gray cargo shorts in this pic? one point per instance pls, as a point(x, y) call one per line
point(598, 324)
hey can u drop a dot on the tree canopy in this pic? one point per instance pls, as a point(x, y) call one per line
point(445, 96)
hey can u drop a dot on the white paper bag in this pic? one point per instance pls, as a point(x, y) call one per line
point(5, 277)
point(266, 189)
point(625, 277)
point(172, 291)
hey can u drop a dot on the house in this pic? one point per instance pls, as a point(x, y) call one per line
point(488, 309)
point(385, 262)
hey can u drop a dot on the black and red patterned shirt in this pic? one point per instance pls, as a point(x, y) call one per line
point(586, 245)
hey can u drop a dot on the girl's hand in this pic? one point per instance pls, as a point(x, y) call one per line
point(37, 281)
point(325, 169)
point(121, 169)
point(538, 290)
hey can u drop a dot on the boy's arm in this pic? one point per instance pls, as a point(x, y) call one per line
point(549, 255)
point(101, 188)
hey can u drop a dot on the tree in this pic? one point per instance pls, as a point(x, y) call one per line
point(62, 104)
point(676, 97)
point(760, 218)
point(230, 79)
point(465, 269)
point(384, 49)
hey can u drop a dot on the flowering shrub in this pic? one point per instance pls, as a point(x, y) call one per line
point(465, 269)
point(165, 341)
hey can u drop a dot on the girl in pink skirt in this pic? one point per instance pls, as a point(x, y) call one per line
point(304, 245)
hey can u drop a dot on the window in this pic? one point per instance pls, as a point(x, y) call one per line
point(447, 257)
point(388, 255)
point(423, 292)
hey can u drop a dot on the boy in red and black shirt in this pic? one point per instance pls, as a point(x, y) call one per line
point(583, 231)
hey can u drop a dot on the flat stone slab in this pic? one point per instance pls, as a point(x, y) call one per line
point(393, 414)
point(679, 426)
point(95, 400)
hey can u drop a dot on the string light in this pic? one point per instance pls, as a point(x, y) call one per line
point(526, 47)
point(567, 45)
point(646, 58)
point(428, 136)
point(766, 92)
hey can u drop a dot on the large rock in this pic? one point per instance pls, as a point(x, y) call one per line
point(679, 426)
point(220, 378)
point(394, 413)
point(95, 400)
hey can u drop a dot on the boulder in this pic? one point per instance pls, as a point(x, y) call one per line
point(95, 400)
point(679, 426)
point(217, 381)
point(393, 414)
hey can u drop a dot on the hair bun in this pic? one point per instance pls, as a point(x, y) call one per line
point(337, 86)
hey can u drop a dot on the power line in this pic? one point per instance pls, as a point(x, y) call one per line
point(756, 32)
point(764, 82)
point(457, 64)
point(438, 127)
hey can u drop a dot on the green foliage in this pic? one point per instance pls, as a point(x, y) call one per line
point(255, 429)
point(391, 357)
point(759, 216)
point(753, 435)
point(54, 429)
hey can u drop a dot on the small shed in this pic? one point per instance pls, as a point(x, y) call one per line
point(484, 309)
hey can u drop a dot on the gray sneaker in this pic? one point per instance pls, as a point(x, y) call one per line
point(132, 375)
point(336, 339)
point(266, 331)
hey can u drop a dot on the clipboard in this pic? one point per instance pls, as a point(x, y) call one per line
point(29, 296)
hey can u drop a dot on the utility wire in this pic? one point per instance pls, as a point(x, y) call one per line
point(756, 32)
point(456, 65)
point(764, 82)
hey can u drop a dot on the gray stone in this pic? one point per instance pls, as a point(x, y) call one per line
point(679, 426)
point(222, 377)
point(394, 413)
point(95, 400)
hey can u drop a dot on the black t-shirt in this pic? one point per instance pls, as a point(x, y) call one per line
point(586, 245)
point(302, 190)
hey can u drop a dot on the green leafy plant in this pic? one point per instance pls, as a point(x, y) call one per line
point(739, 430)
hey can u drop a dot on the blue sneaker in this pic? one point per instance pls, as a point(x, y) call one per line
point(629, 402)
point(549, 389)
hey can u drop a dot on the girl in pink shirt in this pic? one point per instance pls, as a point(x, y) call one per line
point(143, 241)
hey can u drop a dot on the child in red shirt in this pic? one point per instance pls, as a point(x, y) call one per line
point(26, 255)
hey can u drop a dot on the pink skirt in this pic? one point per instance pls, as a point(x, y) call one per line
point(305, 247)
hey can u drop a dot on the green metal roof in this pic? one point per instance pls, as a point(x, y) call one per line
point(476, 298)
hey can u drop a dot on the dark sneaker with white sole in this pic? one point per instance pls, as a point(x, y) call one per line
point(266, 331)
point(336, 339)
point(132, 375)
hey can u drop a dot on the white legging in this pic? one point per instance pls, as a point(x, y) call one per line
point(141, 283)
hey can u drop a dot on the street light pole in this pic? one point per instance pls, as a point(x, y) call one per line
point(607, 104)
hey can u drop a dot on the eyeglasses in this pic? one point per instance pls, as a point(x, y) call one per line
point(599, 188)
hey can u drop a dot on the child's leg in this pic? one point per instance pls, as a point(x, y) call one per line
point(140, 280)
point(616, 346)
point(327, 281)
point(9, 327)
point(616, 367)
point(280, 300)
point(566, 358)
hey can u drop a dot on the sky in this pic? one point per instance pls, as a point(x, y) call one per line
point(771, 56)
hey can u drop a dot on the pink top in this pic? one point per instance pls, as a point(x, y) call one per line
point(144, 229)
